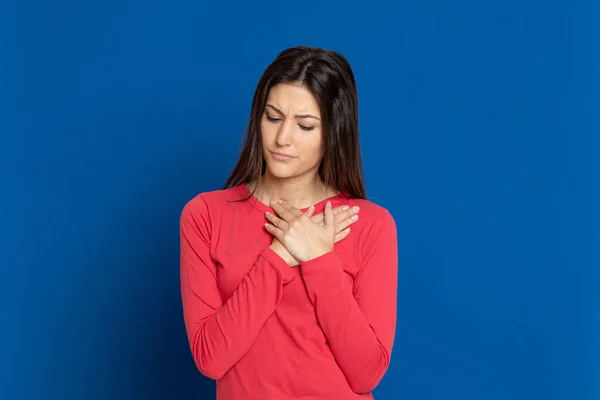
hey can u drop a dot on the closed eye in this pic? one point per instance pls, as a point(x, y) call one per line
point(272, 119)
point(303, 127)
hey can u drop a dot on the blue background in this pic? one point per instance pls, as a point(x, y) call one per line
point(479, 127)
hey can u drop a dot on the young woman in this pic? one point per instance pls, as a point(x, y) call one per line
point(281, 300)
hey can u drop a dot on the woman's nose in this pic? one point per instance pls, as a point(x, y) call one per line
point(285, 135)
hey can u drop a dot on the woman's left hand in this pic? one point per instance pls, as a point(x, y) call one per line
point(303, 238)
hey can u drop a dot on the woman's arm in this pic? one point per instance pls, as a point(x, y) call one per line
point(220, 333)
point(359, 322)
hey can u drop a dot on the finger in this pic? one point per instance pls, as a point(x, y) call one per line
point(329, 217)
point(346, 214)
point(276, 222)
point(292, 210)
point(318, 218)
point(341, 235)
point(310, 211)
point(278, 233)
point(283, 212)
point(339, 209)
point(340, 226)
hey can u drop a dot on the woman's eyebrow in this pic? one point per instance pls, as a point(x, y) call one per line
point(297, 116)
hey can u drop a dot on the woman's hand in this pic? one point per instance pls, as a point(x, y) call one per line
point(303, 238)
point(344, 217)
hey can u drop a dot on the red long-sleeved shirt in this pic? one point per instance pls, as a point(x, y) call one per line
point(265, 330)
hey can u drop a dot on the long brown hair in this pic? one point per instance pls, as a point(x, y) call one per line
point(327, 74)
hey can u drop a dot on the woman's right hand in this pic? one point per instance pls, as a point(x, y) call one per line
point(343, 217)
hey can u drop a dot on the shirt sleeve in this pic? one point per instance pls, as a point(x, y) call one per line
point(220, 333)
point(359, 321)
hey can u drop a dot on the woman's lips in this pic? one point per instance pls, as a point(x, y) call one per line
point(279, 156)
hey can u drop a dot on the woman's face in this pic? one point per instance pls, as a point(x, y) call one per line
point(291, 125)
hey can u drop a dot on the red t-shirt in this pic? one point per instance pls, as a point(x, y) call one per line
point(265, 330)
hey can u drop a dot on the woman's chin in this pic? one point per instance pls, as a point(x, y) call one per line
point(281, 172)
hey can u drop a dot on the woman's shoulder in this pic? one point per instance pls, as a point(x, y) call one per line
point(211, 200)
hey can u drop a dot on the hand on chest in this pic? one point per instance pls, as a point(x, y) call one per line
point(233, 266)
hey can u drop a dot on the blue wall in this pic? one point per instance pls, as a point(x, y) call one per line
point(479, 130)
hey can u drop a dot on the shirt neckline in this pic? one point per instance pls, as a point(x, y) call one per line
point(262, 207)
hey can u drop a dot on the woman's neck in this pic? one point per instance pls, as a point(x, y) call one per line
point(300, 193)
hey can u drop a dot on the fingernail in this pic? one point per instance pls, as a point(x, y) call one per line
point(280, 201)
point(355, 208)
point(273, 202)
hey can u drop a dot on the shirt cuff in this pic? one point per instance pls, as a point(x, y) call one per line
point(285, 271)
point(325, 261)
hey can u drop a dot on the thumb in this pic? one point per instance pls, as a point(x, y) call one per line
point(329, 217)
